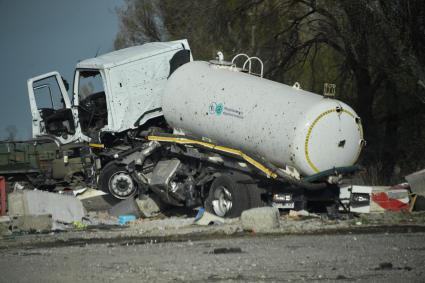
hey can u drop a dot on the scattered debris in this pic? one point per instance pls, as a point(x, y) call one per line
point(125, 207)
point(98, 201)
point(394, 198)
point(302, 214)
point(124, 219)
point(90, 193)
point(148, 206)
point(79, 225)
point(260, 219)
point(417, 182)
point(372, 199)
point(63, 209)
point(79, 190)
point(226, 251)
point(205, 218)
point(33, 223)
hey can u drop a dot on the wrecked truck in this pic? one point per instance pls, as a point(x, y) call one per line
point(195, 133)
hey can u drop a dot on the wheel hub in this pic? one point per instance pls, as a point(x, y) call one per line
point(222, 202)
point(121, 185)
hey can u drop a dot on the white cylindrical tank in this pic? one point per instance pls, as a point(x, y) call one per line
point(285, 125)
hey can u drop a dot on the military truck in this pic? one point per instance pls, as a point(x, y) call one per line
point(42, 164)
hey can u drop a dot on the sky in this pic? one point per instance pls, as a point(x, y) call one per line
point(39, 36)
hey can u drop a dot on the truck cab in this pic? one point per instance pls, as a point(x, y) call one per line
point(112, 93)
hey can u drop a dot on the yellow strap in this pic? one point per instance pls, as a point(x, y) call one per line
point(247, 158)
point(97, 145)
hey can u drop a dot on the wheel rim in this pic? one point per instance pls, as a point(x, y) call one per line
point(121, 185)
point(222, 202)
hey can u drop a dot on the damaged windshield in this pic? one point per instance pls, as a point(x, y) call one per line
point(93, 112)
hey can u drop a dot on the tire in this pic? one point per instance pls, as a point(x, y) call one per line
point(227, 197)
point(256, 196)
point(116, 181)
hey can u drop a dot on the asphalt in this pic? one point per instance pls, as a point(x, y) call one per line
point(377, 257)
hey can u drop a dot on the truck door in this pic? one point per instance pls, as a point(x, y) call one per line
point(52, 114)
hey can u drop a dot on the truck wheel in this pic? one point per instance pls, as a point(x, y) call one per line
point(116, 180)
point(256, 196)
point(227, 197)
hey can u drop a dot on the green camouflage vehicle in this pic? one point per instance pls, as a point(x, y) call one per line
point(43, 164)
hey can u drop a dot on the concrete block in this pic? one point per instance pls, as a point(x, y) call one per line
point(125, 207)
point(417, 182)
point(62, 208)
point(148, 206)
point(32, 223)
point(260, 219)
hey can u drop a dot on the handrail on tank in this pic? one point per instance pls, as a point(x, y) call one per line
point(238, 55)
point(248, 60)
point(249, 66)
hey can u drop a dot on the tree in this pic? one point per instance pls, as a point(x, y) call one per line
point(372, 49)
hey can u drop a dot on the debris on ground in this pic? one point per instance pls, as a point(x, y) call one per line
point(302, 214)
point(90, 193)
point(35, 205)
point(260, 219)
point(86, 209)
point(79, 225)
point(148, 206)
point(375, 199)
point(125, 207)
point(124, 219)
point(204, 218)
point(32, 223)
point(226, 251)
point(416, 181)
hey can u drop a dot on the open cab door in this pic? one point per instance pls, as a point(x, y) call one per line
point(52, 112)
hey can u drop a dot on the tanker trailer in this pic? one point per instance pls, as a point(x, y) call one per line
point(271, 144)
point(283, 124)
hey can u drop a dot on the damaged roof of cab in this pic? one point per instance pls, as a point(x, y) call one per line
point(123, 56)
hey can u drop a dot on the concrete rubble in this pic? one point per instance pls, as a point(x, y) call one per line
point(33, 210)
point(148, 206)
point(125, 207)
point(261, 219)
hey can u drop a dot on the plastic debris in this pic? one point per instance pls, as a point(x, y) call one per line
point(205, 218)
point(124, 219)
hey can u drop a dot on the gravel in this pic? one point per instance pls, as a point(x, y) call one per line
point(368, 257)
